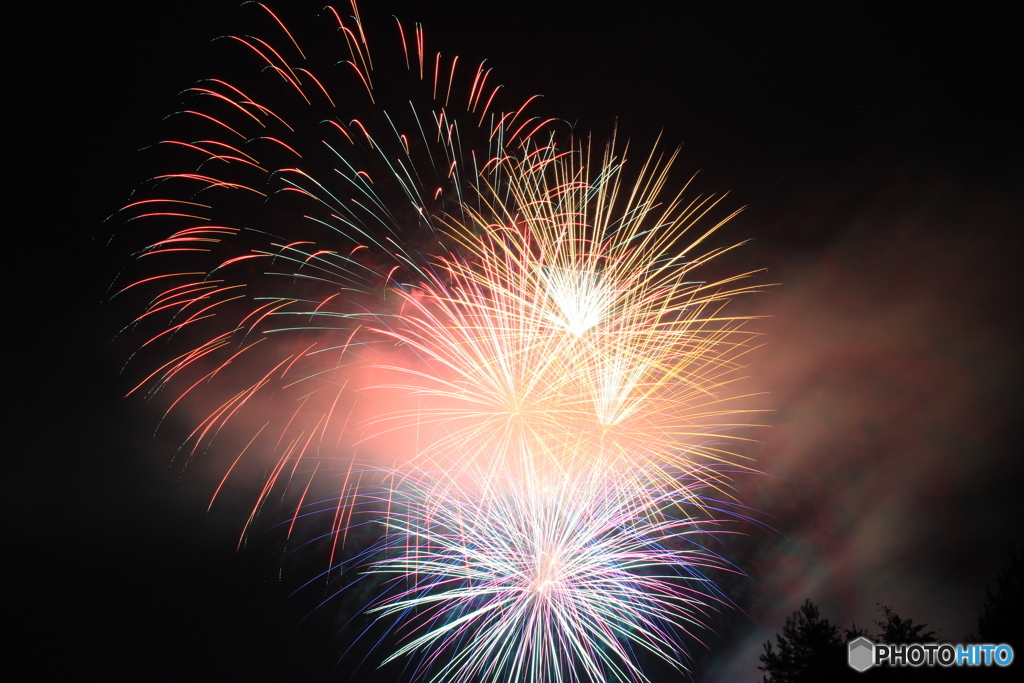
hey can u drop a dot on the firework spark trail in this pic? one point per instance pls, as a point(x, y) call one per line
point(557, 325)
point(515, 317)
point(547, 584)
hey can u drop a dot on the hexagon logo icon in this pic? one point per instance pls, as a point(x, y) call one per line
point(861, 654)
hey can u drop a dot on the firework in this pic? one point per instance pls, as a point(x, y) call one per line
point(494, 324)
point(559, 583)
point(566, 334)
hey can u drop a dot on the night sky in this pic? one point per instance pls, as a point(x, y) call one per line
point(878, 155)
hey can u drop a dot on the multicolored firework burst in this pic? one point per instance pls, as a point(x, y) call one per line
point(555, 584)
point(499, 326)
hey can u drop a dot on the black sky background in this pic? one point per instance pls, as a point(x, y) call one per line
point(878, 153)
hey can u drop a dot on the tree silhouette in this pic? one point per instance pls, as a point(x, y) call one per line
point(813, 650)
point(810, 650)
point(1001, 620)
point(897, 630)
